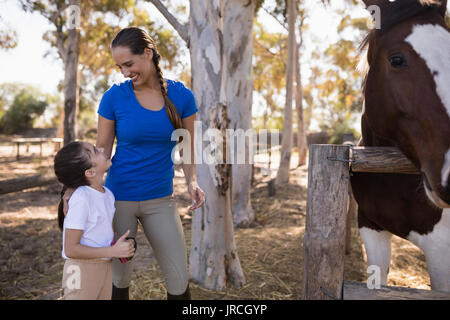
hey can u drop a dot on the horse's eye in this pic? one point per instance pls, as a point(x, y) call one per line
point(398, 61)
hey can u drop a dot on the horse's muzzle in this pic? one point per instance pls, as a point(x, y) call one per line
point(439, 196)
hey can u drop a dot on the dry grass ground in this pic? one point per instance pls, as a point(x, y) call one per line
point(271, 251)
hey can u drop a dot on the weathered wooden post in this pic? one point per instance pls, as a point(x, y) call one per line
point(326, 213)
point(18, 150)
point(329, 194)
point(352, 213)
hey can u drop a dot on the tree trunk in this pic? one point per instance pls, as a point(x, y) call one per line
point(301, 135)
point(286, 141)
point(23, 183)
point(238, 45)
point(213, 259)
point(71, 82)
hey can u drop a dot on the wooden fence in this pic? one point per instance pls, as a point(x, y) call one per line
point(27, 182)
point(40, 141)
point(326, 221)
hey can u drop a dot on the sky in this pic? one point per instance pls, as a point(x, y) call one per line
point(26, 63)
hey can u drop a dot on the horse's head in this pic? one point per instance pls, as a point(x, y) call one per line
point(407, 87)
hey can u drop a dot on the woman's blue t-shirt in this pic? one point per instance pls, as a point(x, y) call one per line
point(142, 167)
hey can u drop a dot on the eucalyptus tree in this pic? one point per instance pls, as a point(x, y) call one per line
point(82, 33)
point(286, 142)
point(8, 36)
point(219, 38)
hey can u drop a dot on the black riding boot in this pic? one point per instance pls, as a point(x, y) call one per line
point(120, 293)
point(184, 296)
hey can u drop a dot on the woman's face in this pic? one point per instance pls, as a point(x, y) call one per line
point(137, 67)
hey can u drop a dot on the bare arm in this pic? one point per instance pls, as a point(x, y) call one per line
point(190, 173)
point(74, 250)
point(105, 135)
point(189, 168)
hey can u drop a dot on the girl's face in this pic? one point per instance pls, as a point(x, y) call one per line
point(137, 67)
point(100, 163)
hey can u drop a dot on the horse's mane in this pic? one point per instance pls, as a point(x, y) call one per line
point(401, 10)
point(393, 14)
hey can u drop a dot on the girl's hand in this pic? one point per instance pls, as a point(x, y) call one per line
point(197, 196)
point(66, 198)
point(123, 248)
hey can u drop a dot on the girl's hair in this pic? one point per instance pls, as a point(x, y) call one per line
point(70, 165)
point(137, 40)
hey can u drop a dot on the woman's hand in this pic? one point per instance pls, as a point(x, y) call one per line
point(66, 197)
point(197, 195)
point(123, 248)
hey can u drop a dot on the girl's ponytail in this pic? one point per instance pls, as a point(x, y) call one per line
point(61, 214)
point(70, 165)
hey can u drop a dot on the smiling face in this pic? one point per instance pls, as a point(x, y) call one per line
point(408, 98)
point(137, 67)
point(100, 163)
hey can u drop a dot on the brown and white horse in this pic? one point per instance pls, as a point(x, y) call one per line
point(407, 105)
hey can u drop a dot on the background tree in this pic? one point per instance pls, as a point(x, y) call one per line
point(217, 62)
point(286, 142)
point(338, 83)
point(97, 68)
point(302, 147)
point(269, 70)
point(67, 42)
point(85, 50)
point(238, 45)
point(279, 13)
point(27, 106)
point(9, 91)
point(8, 36)
point(319, 64)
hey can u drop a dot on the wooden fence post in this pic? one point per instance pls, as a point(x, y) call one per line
point(326, 213)
point(352, 213)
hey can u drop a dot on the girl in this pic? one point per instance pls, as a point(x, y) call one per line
point(87, 227)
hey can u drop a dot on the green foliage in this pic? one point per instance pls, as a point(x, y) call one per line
point(22, 113)
point(269, 73)
point(336, 87)
point(264, 122)
point(258, 5)
point(8, 37)
point(338, 131)
point(332, 93)
point(100, 21)
point(9, 90)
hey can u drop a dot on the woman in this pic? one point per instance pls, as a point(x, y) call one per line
point(142, 113)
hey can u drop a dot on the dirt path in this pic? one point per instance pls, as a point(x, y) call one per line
point(271, 252)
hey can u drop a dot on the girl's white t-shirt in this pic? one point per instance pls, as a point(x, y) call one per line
point(91, 211)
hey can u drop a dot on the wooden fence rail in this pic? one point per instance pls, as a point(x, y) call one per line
point(40, 141)
point(380, 160)
point(326, 219)
point(27, 182)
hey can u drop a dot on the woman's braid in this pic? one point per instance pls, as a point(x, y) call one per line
point(171, 110)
